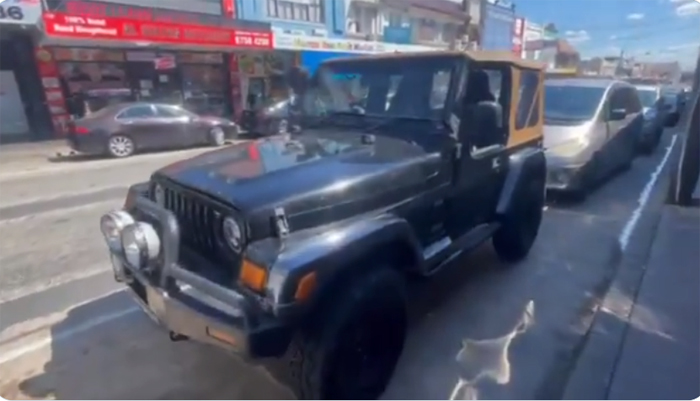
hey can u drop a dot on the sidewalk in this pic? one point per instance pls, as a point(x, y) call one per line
point(660, 358)
point(647, 345)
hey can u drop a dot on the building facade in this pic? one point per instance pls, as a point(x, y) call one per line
point(319, 18)
point(498, 25)
point(433, 23)
point(23, 114)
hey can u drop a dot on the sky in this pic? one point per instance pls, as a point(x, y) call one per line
point(649, 30)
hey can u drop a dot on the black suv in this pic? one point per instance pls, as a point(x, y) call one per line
point(297, 246)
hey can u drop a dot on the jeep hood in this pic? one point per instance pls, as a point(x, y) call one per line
point(323, 175)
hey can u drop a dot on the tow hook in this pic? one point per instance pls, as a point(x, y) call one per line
point(175, 337)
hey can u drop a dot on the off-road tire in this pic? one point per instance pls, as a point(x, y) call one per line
point(514, 239)
point(374, 302)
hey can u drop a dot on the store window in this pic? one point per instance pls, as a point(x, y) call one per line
point(297, 10)
point(90, 87)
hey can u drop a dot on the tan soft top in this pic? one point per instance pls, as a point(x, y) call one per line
point(476, 55)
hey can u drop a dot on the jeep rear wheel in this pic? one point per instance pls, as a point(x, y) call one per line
point(351, 347)
point(518, 231)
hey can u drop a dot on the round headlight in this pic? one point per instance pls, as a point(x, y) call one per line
point(141, 244)
point(112, 224)
point(159, 195)
point(233, 234)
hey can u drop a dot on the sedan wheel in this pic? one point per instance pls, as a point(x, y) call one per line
point(217, 136)
point(120, 146)
point(283, 127)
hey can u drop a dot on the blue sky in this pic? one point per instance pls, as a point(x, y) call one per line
point(647, 29)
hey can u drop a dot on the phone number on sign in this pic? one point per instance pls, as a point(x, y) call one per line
point(246, 40)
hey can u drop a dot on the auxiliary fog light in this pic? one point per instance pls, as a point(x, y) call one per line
point(141, 244)
point(111, 225)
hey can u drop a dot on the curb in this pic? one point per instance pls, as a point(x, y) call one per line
point(594, 367)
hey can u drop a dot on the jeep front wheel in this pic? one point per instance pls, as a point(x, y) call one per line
point(351, 346)
point(518, 230)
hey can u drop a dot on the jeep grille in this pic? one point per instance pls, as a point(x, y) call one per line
point(200, 224)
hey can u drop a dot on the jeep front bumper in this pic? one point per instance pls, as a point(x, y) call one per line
point(188, 305)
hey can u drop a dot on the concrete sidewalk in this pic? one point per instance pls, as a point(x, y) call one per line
point(660, 358)
point(645, 345)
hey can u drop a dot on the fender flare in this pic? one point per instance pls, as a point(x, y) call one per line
point(524, 166)
point(332, 251)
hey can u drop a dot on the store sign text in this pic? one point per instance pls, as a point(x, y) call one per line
point(104, 9)
point(58, 24)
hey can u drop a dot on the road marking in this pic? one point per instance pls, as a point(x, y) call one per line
point(61, 279)
point(48, 168)
point(64, 195)
point(20, 351)
point(643, 199)
point(107, 205)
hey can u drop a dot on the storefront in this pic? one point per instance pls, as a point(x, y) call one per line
point(498, 26)
point(23, 115)
point(313, 50)
point(97, 53)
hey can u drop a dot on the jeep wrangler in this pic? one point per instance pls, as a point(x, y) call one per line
point(297, 246)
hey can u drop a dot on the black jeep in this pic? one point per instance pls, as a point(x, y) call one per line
point(297, 246)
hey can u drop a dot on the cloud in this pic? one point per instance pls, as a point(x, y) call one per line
point(688, 8)
point(635, 16)
point(577, 36)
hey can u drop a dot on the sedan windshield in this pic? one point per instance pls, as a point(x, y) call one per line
point(647, 97)
point(571, 103)
point(382, 87)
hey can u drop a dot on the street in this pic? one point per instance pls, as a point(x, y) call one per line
point(67, 331)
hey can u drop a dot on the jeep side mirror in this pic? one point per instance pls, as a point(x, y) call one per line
point(618, 114)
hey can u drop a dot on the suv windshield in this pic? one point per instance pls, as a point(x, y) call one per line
point(382, 87)
point(571, 103)
point(647, 97)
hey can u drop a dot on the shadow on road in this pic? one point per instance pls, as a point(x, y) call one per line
point(130, 358)
point(477, 298)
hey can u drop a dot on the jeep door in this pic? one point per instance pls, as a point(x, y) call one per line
point(482, 163)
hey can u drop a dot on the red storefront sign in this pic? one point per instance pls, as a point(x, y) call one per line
point(229, 8)
point(130, 30)
point(518, 36)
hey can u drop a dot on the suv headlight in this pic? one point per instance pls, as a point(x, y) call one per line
point(570, 148)
point(233, 233)
point(111, 225)
point(141, 244)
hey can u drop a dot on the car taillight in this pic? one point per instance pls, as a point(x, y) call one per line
point(81, 130)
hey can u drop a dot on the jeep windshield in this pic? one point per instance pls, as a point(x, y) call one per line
point(381, 90)
point(571, 104)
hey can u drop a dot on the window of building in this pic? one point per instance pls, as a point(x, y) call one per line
point(363, 20)
point(297, 10)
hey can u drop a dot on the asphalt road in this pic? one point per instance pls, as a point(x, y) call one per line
point(68, 332)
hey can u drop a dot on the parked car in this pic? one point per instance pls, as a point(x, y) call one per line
point(675, 100)
point(654, 112)
point(270, 119)
point(591, 130)
point(298, 247)
point(120, 130)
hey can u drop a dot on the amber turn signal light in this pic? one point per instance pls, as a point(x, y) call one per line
point(306, 286)
point(253, 276)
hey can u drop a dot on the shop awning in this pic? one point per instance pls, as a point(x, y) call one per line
point(312, 59)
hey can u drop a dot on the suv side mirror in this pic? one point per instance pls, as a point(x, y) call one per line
point(618, 114)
